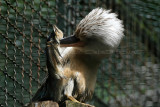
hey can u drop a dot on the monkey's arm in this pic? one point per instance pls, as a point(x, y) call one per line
point(54, 58)
point(50, 89)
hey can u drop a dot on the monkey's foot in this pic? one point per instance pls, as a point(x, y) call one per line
point(74, 100)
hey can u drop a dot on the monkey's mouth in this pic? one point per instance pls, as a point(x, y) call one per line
point(71, 41)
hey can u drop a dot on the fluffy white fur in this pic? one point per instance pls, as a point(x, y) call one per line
point(102, 25)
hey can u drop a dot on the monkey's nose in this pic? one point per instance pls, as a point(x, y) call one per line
point(71, 41)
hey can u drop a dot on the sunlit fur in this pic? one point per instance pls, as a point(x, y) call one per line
point(100, 30)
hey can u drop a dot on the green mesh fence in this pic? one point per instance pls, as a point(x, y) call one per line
point(130, 77)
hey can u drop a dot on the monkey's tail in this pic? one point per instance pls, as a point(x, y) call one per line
point(50, 90)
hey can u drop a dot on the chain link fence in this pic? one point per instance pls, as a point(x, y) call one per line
point(130, 77)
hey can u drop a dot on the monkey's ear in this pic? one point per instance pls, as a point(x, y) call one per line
point(71, 41)
point(58, 32)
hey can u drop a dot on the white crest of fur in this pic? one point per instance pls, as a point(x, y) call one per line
point(103, 25)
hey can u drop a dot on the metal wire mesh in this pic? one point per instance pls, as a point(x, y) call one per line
point(130, 77)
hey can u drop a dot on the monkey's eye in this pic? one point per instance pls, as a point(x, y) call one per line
point(51, 36)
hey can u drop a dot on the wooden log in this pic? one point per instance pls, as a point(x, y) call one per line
point(42, 104)
point(67, 103)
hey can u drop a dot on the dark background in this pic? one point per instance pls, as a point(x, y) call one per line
point(130, 77)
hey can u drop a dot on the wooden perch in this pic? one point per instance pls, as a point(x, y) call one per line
point(43, 104)
point(67, 103)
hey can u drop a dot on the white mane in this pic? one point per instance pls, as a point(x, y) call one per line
point(103, 25)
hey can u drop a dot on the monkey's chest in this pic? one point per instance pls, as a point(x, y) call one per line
point(80, 87)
